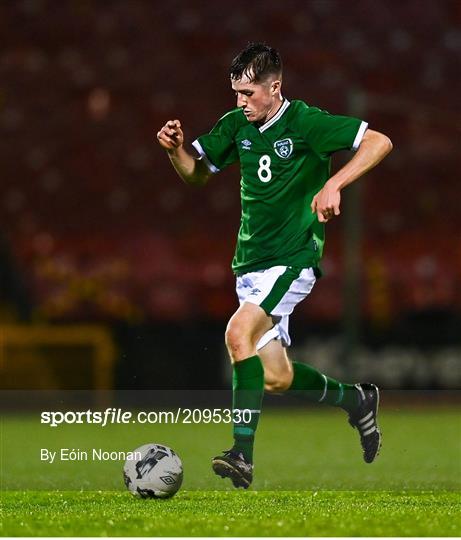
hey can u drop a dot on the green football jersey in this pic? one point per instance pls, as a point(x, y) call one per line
point(283, 163)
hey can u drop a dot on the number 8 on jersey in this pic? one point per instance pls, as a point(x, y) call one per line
point(264, 171)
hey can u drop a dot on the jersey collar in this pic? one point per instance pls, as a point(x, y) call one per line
point(276, 117)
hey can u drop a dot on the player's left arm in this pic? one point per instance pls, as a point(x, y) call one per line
point(373, 148)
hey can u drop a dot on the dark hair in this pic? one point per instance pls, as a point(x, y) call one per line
point(257, 61)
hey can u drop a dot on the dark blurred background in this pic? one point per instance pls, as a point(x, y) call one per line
point(98, 233)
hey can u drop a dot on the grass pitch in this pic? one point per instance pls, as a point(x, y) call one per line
point(310, 479)
point(211, 513)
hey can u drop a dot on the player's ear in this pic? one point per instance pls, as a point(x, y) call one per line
point(275, 86)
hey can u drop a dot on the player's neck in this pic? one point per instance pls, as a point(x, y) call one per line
point(272, 112)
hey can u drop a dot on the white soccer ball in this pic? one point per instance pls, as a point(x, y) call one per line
point(153, 471)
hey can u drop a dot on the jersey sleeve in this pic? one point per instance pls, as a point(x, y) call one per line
point(217, 148)
point(327, 133)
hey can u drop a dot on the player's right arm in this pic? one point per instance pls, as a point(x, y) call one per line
point(193, 171)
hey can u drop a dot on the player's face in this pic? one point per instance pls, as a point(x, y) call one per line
point(259, 101)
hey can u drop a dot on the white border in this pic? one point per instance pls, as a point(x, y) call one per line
point(274, 119)
point(207, 162)
point(360, 133)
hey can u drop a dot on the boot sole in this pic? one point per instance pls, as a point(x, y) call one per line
point(375, 412)
point(225, 470)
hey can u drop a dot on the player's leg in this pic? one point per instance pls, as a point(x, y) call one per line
point(250, 329)
point(245, 329)
point(360, 401)
point(313, 385)
point(281, 374)
point(278, 370)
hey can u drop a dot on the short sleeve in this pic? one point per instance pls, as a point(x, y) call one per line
point(327, 133)
point(218, 148)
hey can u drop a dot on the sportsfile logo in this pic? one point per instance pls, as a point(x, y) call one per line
point(118, 416)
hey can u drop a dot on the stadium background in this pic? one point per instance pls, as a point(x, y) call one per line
point(103, 246)
point(115, 277)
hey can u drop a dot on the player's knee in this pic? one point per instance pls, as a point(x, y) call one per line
point(237, 338)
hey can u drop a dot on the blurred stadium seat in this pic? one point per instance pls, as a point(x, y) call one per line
point(106, 231)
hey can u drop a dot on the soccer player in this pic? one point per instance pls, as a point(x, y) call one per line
point(287, 195)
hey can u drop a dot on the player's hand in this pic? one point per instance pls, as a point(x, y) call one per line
point(326, 203)
point(171, 135)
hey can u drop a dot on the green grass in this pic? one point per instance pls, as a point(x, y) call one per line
point(309, 479)
point(208, 513)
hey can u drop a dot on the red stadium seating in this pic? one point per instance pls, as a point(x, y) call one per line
point(104, 228)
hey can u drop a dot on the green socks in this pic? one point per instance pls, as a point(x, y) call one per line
point(315, 386)
point(248, 390)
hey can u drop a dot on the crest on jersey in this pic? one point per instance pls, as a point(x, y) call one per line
point(283, 148)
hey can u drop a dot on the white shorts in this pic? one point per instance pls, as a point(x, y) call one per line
point(277, 290)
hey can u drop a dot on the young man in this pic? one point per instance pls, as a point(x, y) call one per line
point(287, 195)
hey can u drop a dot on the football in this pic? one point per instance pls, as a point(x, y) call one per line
point(153, 471)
